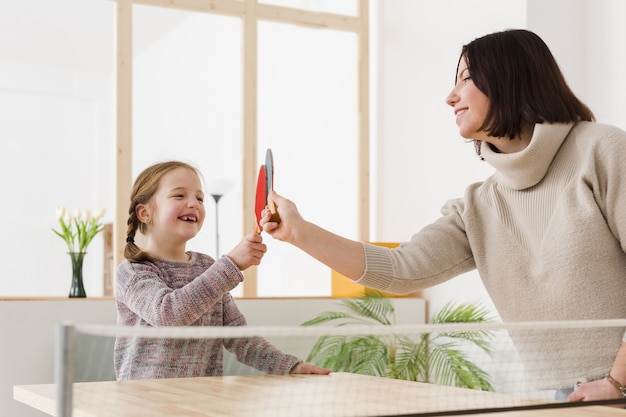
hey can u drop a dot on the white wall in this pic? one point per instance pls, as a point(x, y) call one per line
point(271, 311)
point(53, 152)
point(28, 342)
point(606, 60)
point(56, 130)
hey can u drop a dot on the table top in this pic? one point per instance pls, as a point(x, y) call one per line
point(338, 394)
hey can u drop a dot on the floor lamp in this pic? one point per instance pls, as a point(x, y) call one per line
point(217, 188)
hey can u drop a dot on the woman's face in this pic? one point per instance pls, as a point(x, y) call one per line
point(470, 105)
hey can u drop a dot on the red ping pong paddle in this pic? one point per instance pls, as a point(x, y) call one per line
point(261, 197)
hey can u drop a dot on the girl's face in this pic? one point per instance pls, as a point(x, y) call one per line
point(177, 207)
point(470, 105)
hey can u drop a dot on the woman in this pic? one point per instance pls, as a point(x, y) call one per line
point(544, 232)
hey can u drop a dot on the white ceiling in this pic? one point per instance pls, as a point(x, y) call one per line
point(67, 33)
point(73, 34)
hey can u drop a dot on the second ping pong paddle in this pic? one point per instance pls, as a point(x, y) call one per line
point(260, 201)
point(269, 173)
point(264, 184)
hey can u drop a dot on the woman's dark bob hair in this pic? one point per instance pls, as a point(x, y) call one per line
point(517, 72)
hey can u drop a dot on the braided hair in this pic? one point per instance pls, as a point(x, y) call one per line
point(143, 190)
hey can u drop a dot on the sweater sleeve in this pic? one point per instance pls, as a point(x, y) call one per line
point(142, 292)
point(606, 175)
point(436, 253)
point(260, 354)
point(255, 351)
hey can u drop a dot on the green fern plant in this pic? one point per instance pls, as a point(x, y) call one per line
point(428, 357)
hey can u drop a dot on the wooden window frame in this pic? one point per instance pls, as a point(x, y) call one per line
point(251, 12)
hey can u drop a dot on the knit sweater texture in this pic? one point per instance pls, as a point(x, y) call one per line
point(193, 293)
point(546, 233)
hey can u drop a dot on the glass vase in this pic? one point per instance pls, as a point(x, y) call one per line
point(77, 290)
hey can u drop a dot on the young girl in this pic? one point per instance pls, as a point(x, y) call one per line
point(162, 284)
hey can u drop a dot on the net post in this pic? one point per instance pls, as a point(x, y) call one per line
point(64, 368)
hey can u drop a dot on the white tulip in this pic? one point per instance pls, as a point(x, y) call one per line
point(77, 231)
point(60, 212)
point(99, 214)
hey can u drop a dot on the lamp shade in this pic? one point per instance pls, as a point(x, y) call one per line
point(219, 186)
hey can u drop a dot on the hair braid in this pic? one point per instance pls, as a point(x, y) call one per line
point(132, 252)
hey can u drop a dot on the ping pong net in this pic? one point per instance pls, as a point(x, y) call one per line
point(397, 370)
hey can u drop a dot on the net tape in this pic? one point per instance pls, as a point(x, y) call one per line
point(182, 332)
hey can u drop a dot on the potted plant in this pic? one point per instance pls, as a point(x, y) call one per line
point(78, 231)
point(441, 357)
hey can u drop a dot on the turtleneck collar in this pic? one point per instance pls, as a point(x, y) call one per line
point(523, 169)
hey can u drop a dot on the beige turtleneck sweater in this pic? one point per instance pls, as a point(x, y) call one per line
point(547, 234)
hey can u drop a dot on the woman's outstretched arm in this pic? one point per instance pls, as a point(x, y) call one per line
point(345, 256)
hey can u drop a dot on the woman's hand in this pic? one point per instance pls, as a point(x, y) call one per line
point(598, 390)
point(290, 219)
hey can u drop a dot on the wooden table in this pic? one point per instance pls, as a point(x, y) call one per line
point(339, 394)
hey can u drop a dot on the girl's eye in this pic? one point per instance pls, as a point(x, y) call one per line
point(467, 79)
point(201, 199)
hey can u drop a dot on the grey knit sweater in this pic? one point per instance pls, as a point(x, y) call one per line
point(194, 293)
point(547, 233)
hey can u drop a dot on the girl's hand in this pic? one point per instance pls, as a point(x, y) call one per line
point(248, 252)
point(309, 368)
